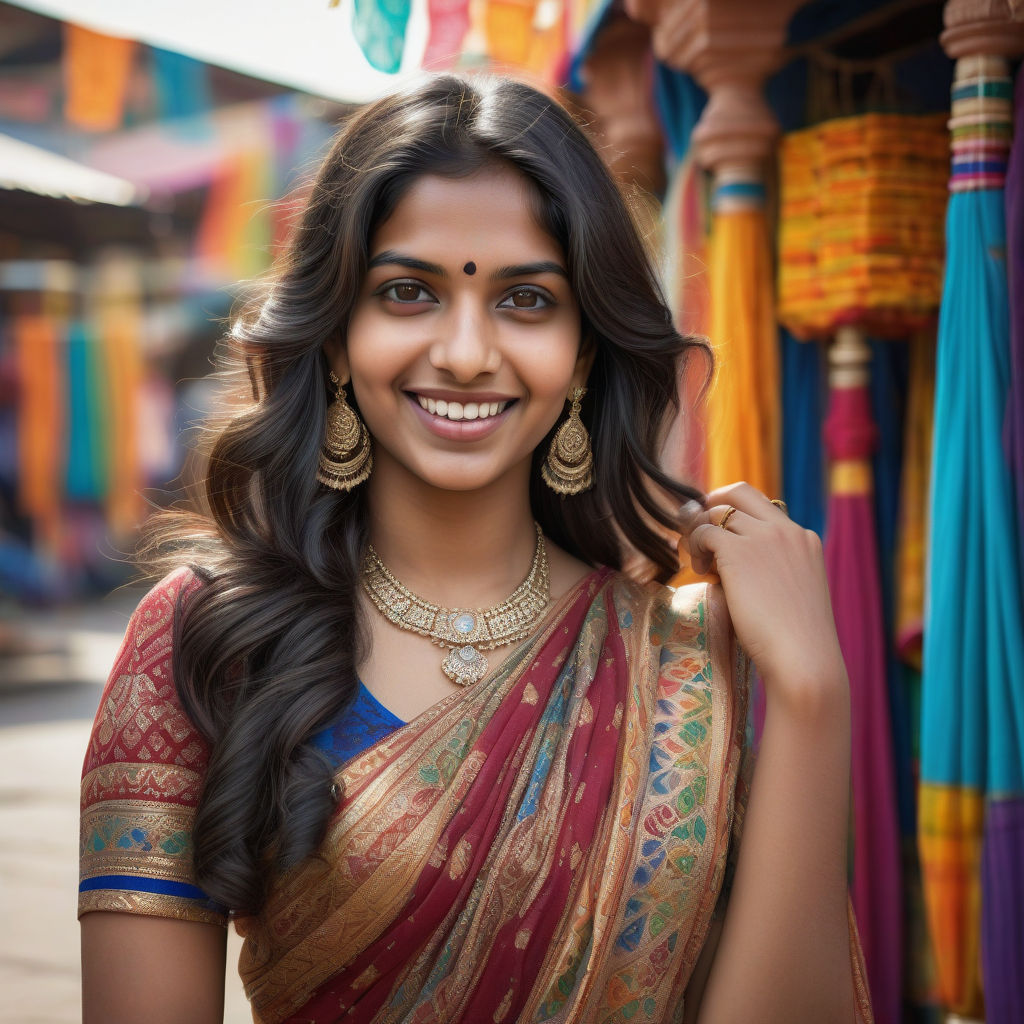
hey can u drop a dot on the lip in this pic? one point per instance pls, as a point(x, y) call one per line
point(458, 430)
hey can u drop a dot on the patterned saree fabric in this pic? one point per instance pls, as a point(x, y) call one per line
point(549, 845)
point(971, 828)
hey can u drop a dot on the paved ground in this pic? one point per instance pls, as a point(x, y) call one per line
point(47, 701)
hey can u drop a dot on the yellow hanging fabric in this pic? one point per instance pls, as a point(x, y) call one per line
point(860, 229)
point(913, 525)
point(119, 328)
point(508, 25)
point(41, 375)
point(744, 428)
point(97, 69)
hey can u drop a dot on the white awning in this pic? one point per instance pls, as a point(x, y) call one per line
point(31, 169)
point(301, 44)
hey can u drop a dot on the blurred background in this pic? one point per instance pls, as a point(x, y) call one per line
point(832, 192)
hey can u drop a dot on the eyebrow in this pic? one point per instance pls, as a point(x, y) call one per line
point(390, 256)
point(529, 269)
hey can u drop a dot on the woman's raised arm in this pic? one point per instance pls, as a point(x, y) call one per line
point(155, 969)
point(785, 951)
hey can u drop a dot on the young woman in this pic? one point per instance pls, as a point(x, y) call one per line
point(396, 711)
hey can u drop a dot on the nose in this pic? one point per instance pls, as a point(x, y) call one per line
point(466, 346)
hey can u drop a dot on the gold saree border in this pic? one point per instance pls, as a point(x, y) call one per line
point(611, 994)
point(278, 981)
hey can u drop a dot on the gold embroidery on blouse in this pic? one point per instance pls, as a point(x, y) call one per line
point(151, 904)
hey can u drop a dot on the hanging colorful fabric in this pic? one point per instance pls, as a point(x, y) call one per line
point(971, 814)
point(235, 233)
point(509, 26)
point(182, 89)
point(119, 330)
point(803, 411)
point(87, 466)
point(913, 529)
point(851, 560)
point(41, 431)
point(744, 425)
point(860, 232)
point(97, 69)
point(1015, 270)
point(379, 27)
point(449, 22)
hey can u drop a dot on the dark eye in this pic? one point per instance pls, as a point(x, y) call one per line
point(527, 298)
point(407, 291)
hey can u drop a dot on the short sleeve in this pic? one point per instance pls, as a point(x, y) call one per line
point(142, 778)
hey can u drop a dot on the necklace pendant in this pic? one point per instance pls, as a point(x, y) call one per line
point(464, 665)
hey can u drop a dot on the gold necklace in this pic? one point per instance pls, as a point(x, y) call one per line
point(465, 632)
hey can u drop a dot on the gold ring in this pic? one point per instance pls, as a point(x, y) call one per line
point(725, 518)
point(779, 503)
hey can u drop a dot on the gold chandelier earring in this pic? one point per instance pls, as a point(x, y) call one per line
point(569, 465)
point(346, 457)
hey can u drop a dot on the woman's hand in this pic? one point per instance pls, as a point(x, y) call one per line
point(773, 574)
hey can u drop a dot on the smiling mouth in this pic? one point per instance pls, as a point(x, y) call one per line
point(457, 411)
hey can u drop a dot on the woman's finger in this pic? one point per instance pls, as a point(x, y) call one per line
point(705, 542)
point(747, 498)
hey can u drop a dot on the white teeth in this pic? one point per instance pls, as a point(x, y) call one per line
point(460, 411)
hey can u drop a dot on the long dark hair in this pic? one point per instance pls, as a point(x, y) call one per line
point(267, 647)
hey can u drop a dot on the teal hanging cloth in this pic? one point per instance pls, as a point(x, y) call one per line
point(86, 476)
point(379, 27)
point(182, 84)
point(971, 797)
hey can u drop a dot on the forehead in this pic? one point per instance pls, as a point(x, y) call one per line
point(489, 215)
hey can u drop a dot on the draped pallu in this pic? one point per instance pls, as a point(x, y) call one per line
point(971, 817)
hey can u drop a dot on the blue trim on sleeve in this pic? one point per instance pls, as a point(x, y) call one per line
point(160, 886)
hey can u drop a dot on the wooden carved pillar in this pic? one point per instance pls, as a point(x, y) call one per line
point(730, 47)
point(981, 36)
point(617, 90)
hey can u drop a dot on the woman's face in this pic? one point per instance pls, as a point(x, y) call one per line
point(465, 338)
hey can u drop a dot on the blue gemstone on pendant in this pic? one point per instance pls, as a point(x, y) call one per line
point(464, 623)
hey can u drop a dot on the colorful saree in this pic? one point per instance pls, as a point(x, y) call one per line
point(549, 845)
